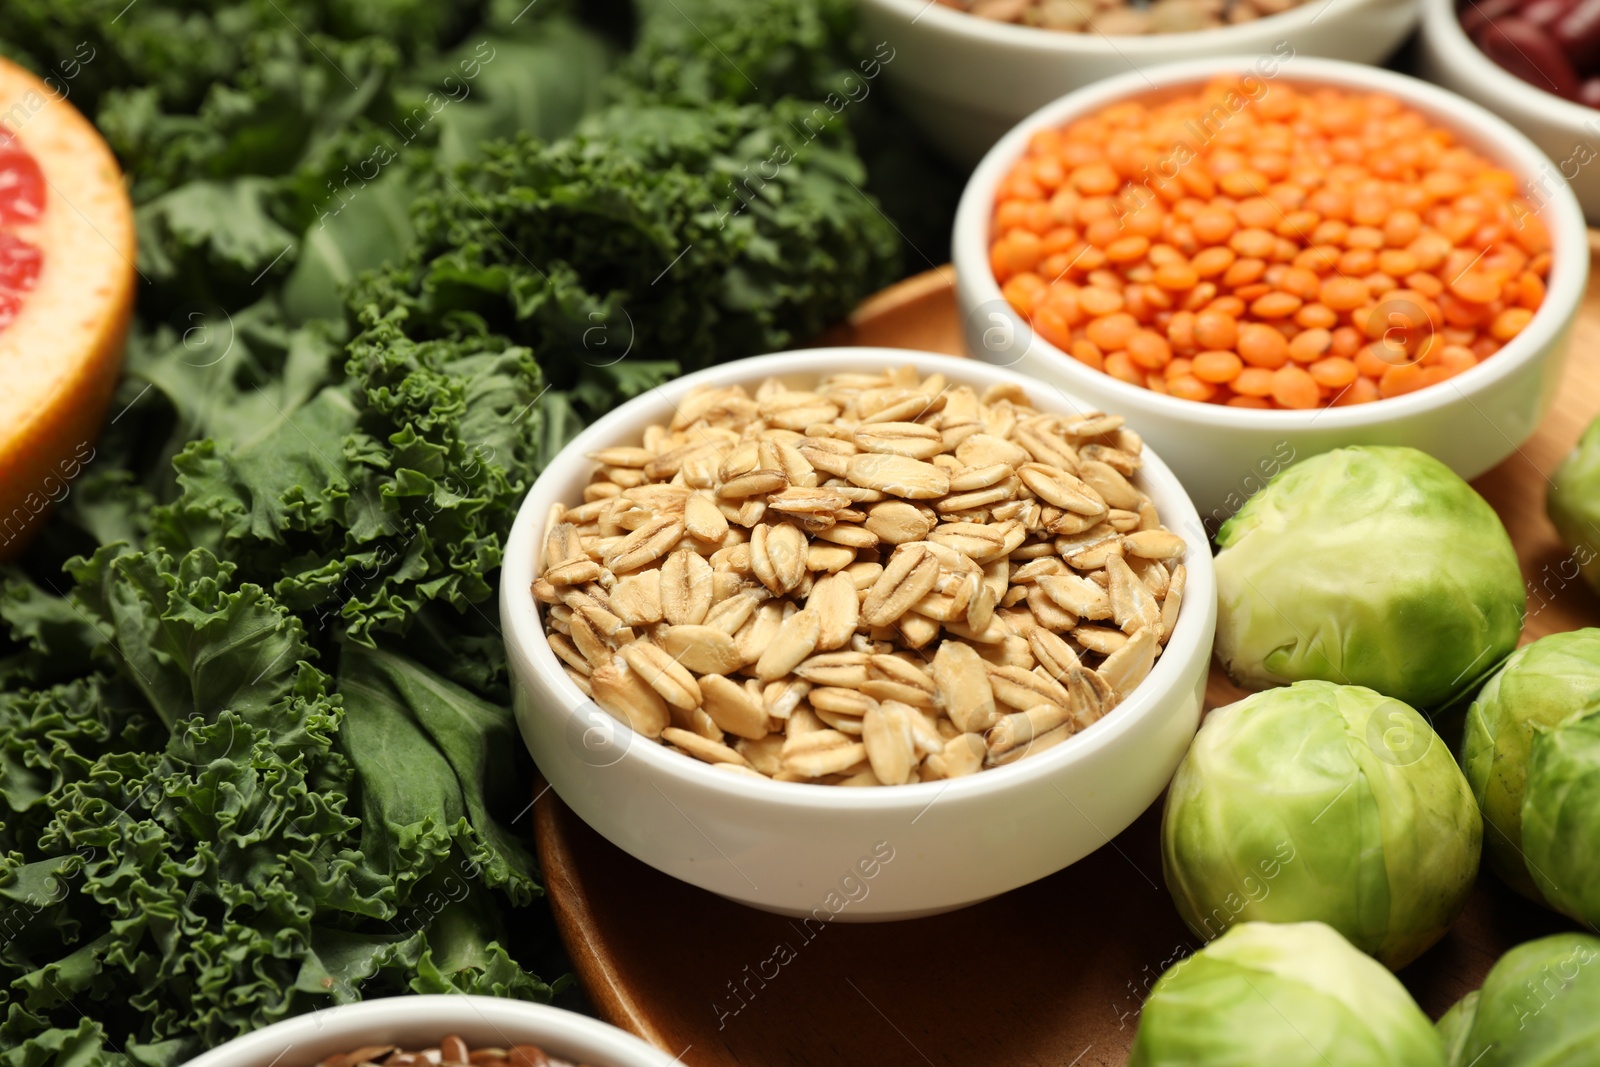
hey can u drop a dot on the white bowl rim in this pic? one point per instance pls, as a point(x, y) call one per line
point(1563, 218)
point(1440, 21)
point(522, 625)
point(448, 1008)
point(1033, 38)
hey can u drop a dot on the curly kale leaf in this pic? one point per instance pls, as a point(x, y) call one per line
point(359, 484)
point(203, 842)
point(247, 768)
point(50, 640)
point(698, 52)
point(694, 52)
point(691, 234)
point(241, 123)
point(399, 714)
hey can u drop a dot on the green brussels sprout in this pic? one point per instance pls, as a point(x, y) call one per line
point(1368, 566)
point(1540, 685)
point(1322, 802)
point(1573, 503)
point(1540, 1004)
point(1289, 995)
point(1456, 1025)
point(1561, 816)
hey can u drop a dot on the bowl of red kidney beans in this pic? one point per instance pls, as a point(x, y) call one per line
point(1536, 63)
point(1550, 44)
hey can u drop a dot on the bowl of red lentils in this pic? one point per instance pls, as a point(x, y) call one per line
point(966, 71)
point(436, 1031)
point(1257, 269)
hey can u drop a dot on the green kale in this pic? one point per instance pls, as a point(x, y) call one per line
point(255, 753)
point(693, 52)
point(241, 123)
point(694, 235)
point(699, 52)
point(388, 488)
point(206, 873)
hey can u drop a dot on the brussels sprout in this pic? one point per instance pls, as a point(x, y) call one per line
point(1539, 1005)
point(1561, 817)
point(1456, 1025)
point(1322, 802)
point(1542, 684)
point(1286, 995)
point(1367, 566)
point(1574, 503)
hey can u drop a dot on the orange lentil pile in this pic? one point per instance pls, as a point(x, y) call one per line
point(1281, 248)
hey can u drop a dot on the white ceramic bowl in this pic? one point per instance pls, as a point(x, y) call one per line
point(966, 80)
point(420, 1022)
point(1569, 133)
point(1222, 454)
point(801, 849)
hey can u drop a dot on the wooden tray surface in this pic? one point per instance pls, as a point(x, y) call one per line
point(1049, 974)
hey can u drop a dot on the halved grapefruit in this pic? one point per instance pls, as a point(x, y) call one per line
point(66, 295)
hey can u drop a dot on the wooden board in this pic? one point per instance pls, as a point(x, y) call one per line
point(1050, 974)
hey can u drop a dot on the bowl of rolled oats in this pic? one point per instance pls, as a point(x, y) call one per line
point(436, 1031)
point(796, 616)
point(968, 70)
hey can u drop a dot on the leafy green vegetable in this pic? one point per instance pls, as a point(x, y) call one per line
point(1540, 1004)
point(211, 238)
point(1322, 802)
point(697, 53)
point(799, 48)
point(377, 495)
point(1292, 995)
point(1455, 1026)
point(204, 871)
point(450, 744)
point(1559, 813)
point(1541, 685)
point(243, 122)
point(347, 239)
point(1371, 566)
point(621, 240)
point(536, 84)
point(1573, 503)
point(51, 639)
point(255, 756)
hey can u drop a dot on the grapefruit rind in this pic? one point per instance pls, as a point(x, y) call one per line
point(61, 355)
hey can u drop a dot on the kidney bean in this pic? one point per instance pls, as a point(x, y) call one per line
point(1530, 54)
point(1589, 93)
point(1474, 16)
point(1543, 13)
point(1577, 33)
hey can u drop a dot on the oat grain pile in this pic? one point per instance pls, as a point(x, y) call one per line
point(886, 579)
